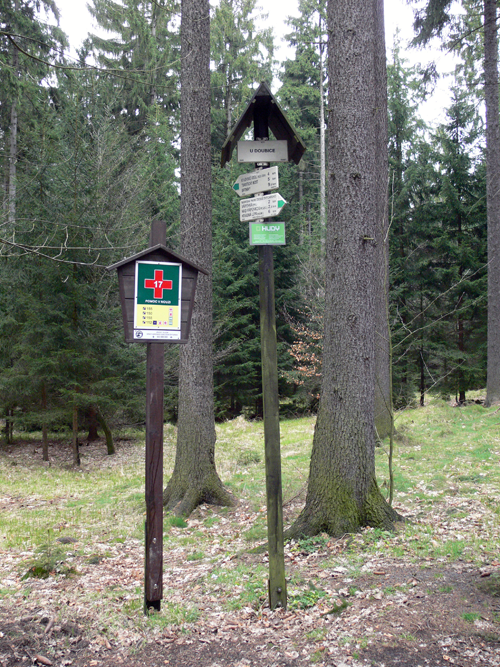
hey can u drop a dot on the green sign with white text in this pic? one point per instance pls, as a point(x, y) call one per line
point(267, 233)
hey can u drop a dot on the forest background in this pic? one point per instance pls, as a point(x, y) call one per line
point(90, 156)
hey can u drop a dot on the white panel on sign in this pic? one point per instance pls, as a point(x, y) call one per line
point(261, 207)
point(263, 151)
point(257, 181)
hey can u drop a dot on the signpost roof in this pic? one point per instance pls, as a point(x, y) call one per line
point(264, 101)
point(170, 256)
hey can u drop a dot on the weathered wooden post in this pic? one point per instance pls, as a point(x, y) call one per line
point(157, 288)
point(153, 527)
point(266, 114)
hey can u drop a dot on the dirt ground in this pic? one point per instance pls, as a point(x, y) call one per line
point(396, 612)
point(422, 627)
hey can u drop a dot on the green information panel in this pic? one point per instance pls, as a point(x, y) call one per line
point(267, 233)
point(157, 314)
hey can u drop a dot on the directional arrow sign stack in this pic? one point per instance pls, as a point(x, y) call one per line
point(261, 207)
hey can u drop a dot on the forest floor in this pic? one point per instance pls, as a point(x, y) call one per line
point(425, 595)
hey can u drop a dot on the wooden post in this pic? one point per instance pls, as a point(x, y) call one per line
point(270, 396)
point(277, 581)
point(265, 113)
point(153, 584)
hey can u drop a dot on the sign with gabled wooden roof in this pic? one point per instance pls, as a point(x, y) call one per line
point(265, 107)
point(157, 288)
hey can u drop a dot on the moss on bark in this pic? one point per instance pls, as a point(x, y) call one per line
point(182, 496)
point(342, 513)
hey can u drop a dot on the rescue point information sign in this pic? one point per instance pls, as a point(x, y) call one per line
point(157, 314)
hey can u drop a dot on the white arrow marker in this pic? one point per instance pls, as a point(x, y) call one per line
point(261, 207)
point(257, 181)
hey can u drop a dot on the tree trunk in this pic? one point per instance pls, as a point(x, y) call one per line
point(12, 191)
point(45, 437)
point(93, 433)
point(322, 147)
point(195, 479)
point(75, 444)
point(492, 198)
point(383, 370)
point(9, 426)
point(343, 494)
point(110, 445)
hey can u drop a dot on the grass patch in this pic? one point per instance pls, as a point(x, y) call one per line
point(305, 598)
point(445, 473)
point(50, 559)
point(490, 585)
point(311, 545)
point(175, 521)
point(173, 614)
point(471, 616)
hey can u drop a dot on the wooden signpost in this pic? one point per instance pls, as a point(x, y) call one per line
point(157, 288)
point(265, 114)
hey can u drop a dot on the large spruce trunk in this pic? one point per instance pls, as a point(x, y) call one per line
point(343, 494)
point(492, 197)
point(383, 362)
point(195, 479)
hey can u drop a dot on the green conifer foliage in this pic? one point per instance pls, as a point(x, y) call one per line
point(142, 53)
point(241, 57)
point(461, 250)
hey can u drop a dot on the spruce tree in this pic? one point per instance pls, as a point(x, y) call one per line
point(342, 492)
point(241, 55)
point(194, 479)
point(142, 56)
point(434, 19)
point(460, 251)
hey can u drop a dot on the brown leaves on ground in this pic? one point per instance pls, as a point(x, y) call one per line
point(369, 599)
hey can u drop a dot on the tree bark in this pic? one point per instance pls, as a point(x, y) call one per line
point(383, 370)
point(195, 479)
point(343, 494)
point(75, 443)
point(12, 191)
point(322, 146)
point(110, 445)
point(492, 198)
point(45, 436)
point(93, 433)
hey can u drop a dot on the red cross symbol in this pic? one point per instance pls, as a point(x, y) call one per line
point(158, 284)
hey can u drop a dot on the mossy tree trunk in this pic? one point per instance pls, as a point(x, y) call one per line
point(110, 445)
point(343, 494)
point(195, 479)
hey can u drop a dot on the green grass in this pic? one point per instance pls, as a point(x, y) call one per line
point(471, 616)
point(446, 468)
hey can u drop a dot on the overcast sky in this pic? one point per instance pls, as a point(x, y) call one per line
point(77, 23)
